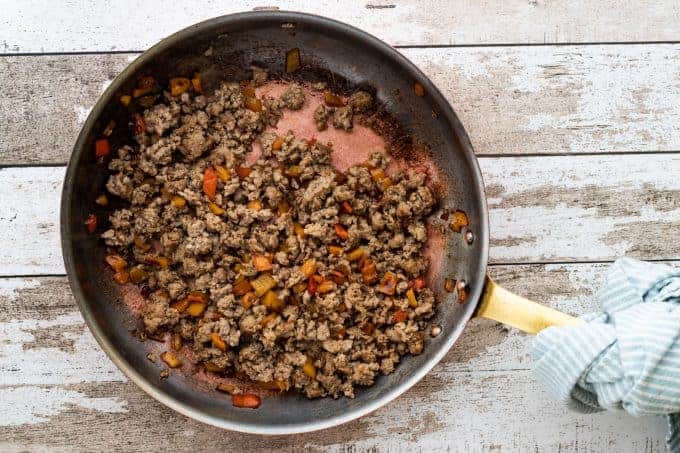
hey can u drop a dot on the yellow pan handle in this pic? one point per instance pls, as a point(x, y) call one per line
point(503, 306)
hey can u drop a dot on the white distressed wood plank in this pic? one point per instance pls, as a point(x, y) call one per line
point(515, 100)
point(59, 381)
point(542, 209)
point(80, 25)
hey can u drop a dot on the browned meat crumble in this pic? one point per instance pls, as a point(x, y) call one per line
point(286, 271)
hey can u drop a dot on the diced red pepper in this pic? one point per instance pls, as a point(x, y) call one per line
point(246, 400)
point(210, 183)
point(243, 172)
point(418, 283)
point(102, 148)
point(341, 232)
point(139, 125)
point(399, 316)
point(91, 223)
point(312, 286)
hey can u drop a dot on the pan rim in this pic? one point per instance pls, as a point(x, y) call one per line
point(476, 281)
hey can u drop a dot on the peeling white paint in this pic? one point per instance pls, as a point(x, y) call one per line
point(10, 286)
point(50, 365)
point(105, 85)
point(31, 404)
point(82, 113)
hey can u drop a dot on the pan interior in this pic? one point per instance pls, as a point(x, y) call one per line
point(346, 58)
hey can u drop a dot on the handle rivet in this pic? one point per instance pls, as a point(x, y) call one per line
point(461, 285)
point(436, 330)
point(469, 237)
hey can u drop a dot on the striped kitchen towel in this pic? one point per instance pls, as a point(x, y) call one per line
point(625, 357)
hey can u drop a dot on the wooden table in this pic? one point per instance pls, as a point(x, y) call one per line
point(574, 111)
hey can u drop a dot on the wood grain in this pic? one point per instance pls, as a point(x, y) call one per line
point(51, 390)
point(542, 209)
point(516, 100)
point(125, 25)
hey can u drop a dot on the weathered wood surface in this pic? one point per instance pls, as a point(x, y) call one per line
point(55, 381)
point(512, 100)
point(541, 209)
point(109, 25)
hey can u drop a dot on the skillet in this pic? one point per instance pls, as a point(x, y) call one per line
point(421, 118)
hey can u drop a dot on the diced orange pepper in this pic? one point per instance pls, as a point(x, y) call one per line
point(368, 271)
point(449, 285)
point(294, 171)
point(210, 183)
point(102, 147)
point(116, 262)
point(309, 369)
point(196, 309)
point(335, 250)
point(222, 173)
point(179, 85)
point(278, 143)
point(299, 230)
point(325, 286)
point(272, 302)
point(418, 89)
point(217, 341)
point(180, 305)
point(241, 287)
point(196, 83)
point(388, 284)
point(137, 275)
point(262, 263)
point(252, 104)
point(125, 99)
point(341, 232)
point(460, 220)
point(102, 200)
point(355, 254)
point(248, 299)
point(91, 223)
point(283, 207)
point(178, 201)
point(121, 277)
point(263, 283)
point(255, 205)
point(411, 296)
point(246, 400)
point(215, 209)
point(308, 267)
point(171, 359)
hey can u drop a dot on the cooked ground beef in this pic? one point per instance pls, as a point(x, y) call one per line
point(287, 271)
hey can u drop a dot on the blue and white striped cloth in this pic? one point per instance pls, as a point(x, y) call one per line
point(625, 357)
